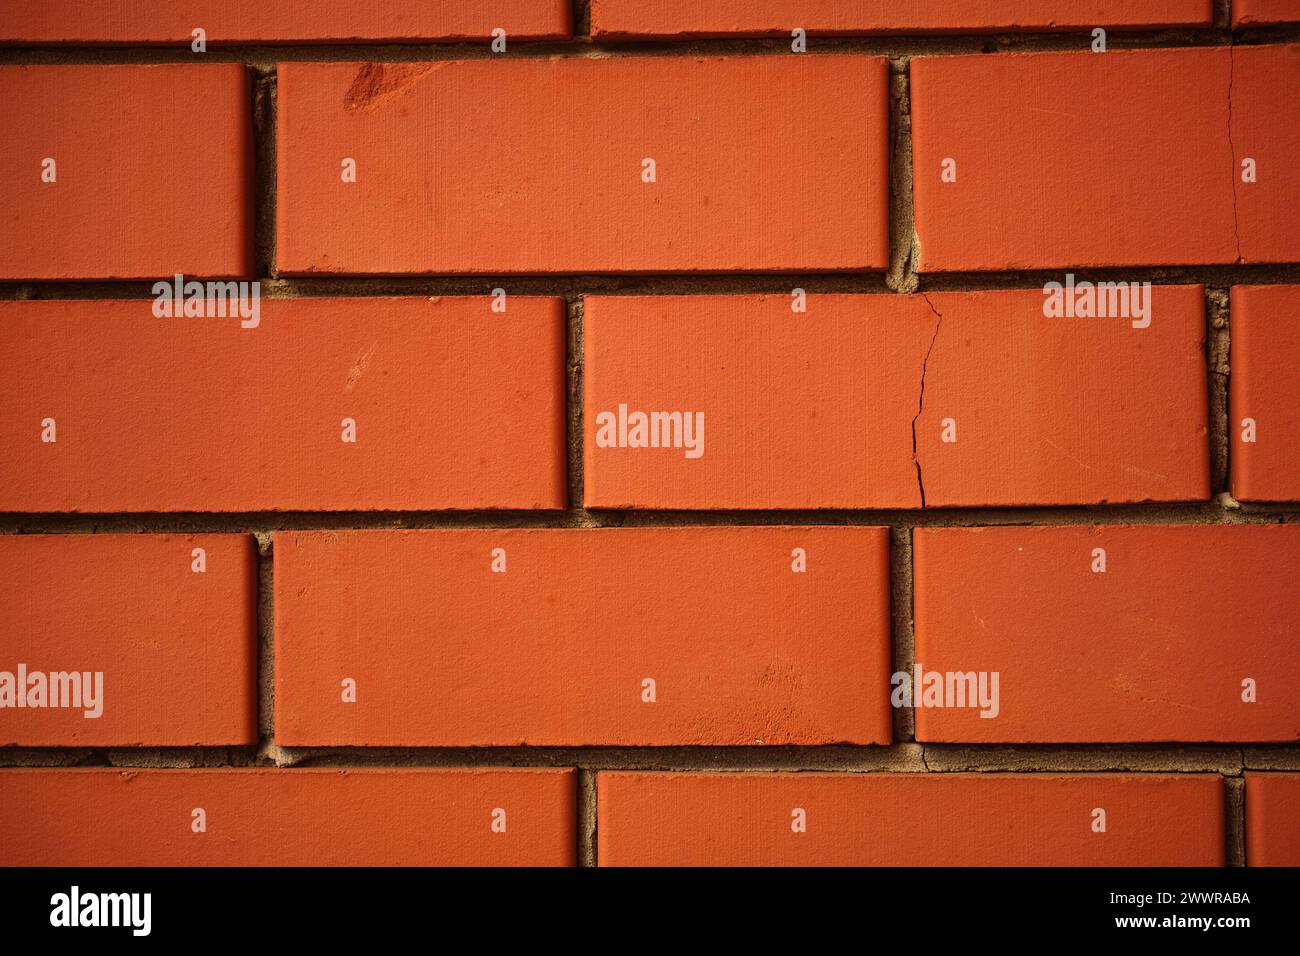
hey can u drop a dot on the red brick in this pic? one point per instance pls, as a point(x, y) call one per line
point(901, 819)
point(1265, 90)
point(1156, 648)
point(816, 409)
point(456, 406)
point(265, 817)
point(1116, 159)
point(284, 21)
point(1265, 390)
point(146, 185)
point(761, 163)
point(174, 648)
point(555, 650)
point(612, 19)
point(1273, 819)
point(1251, 12)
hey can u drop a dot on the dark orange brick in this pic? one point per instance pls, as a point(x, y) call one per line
point(266, 817)
point(283, 21)
point(1157, 647)
point(454, 405)
point(1264, 393)
point(152, 635)
point(614, 19)
point(1249, 13)
point(1273, 819)
point(907, 819)
point(1127, 158)
point(567, 644)
point(144, 185)
point(849, 404)
point(761, 163)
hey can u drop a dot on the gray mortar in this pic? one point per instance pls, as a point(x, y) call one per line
point(1234, 821)
point(905, 755)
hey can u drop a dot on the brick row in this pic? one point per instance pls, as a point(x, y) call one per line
point(285, 21)
point(666, 636)
point(1127, 158)
point(900, 401)
point(678, 172)
point(127, 639)
point(265, 817)
point(589, 637)
point(1264, 393)
point(802, 819)
point(326, 404)
point(637, 164)
point(616, 19)
point(111, 173)
point(241, 21)
point(885, 401)
point(319, 817)
point(1111, 634)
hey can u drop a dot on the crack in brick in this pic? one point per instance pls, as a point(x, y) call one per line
point(920, 403)
point(1236, 231)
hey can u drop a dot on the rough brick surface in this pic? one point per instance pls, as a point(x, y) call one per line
point(455, 405)
point(173, 647)
point(1117, 159)
point(1248, 13)
point(703, 819)
point(282, 21)
point(1154, 648)
point(267, 817)
point(1264, 408)
point(760, 163)
point(144, 185)
point(557, 648)
point(847, 404)
point(674, 18)
point(1273, 819)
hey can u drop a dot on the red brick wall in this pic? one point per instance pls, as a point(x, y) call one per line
point(731, 433)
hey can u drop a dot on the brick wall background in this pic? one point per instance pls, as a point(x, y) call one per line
point(521, 171)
